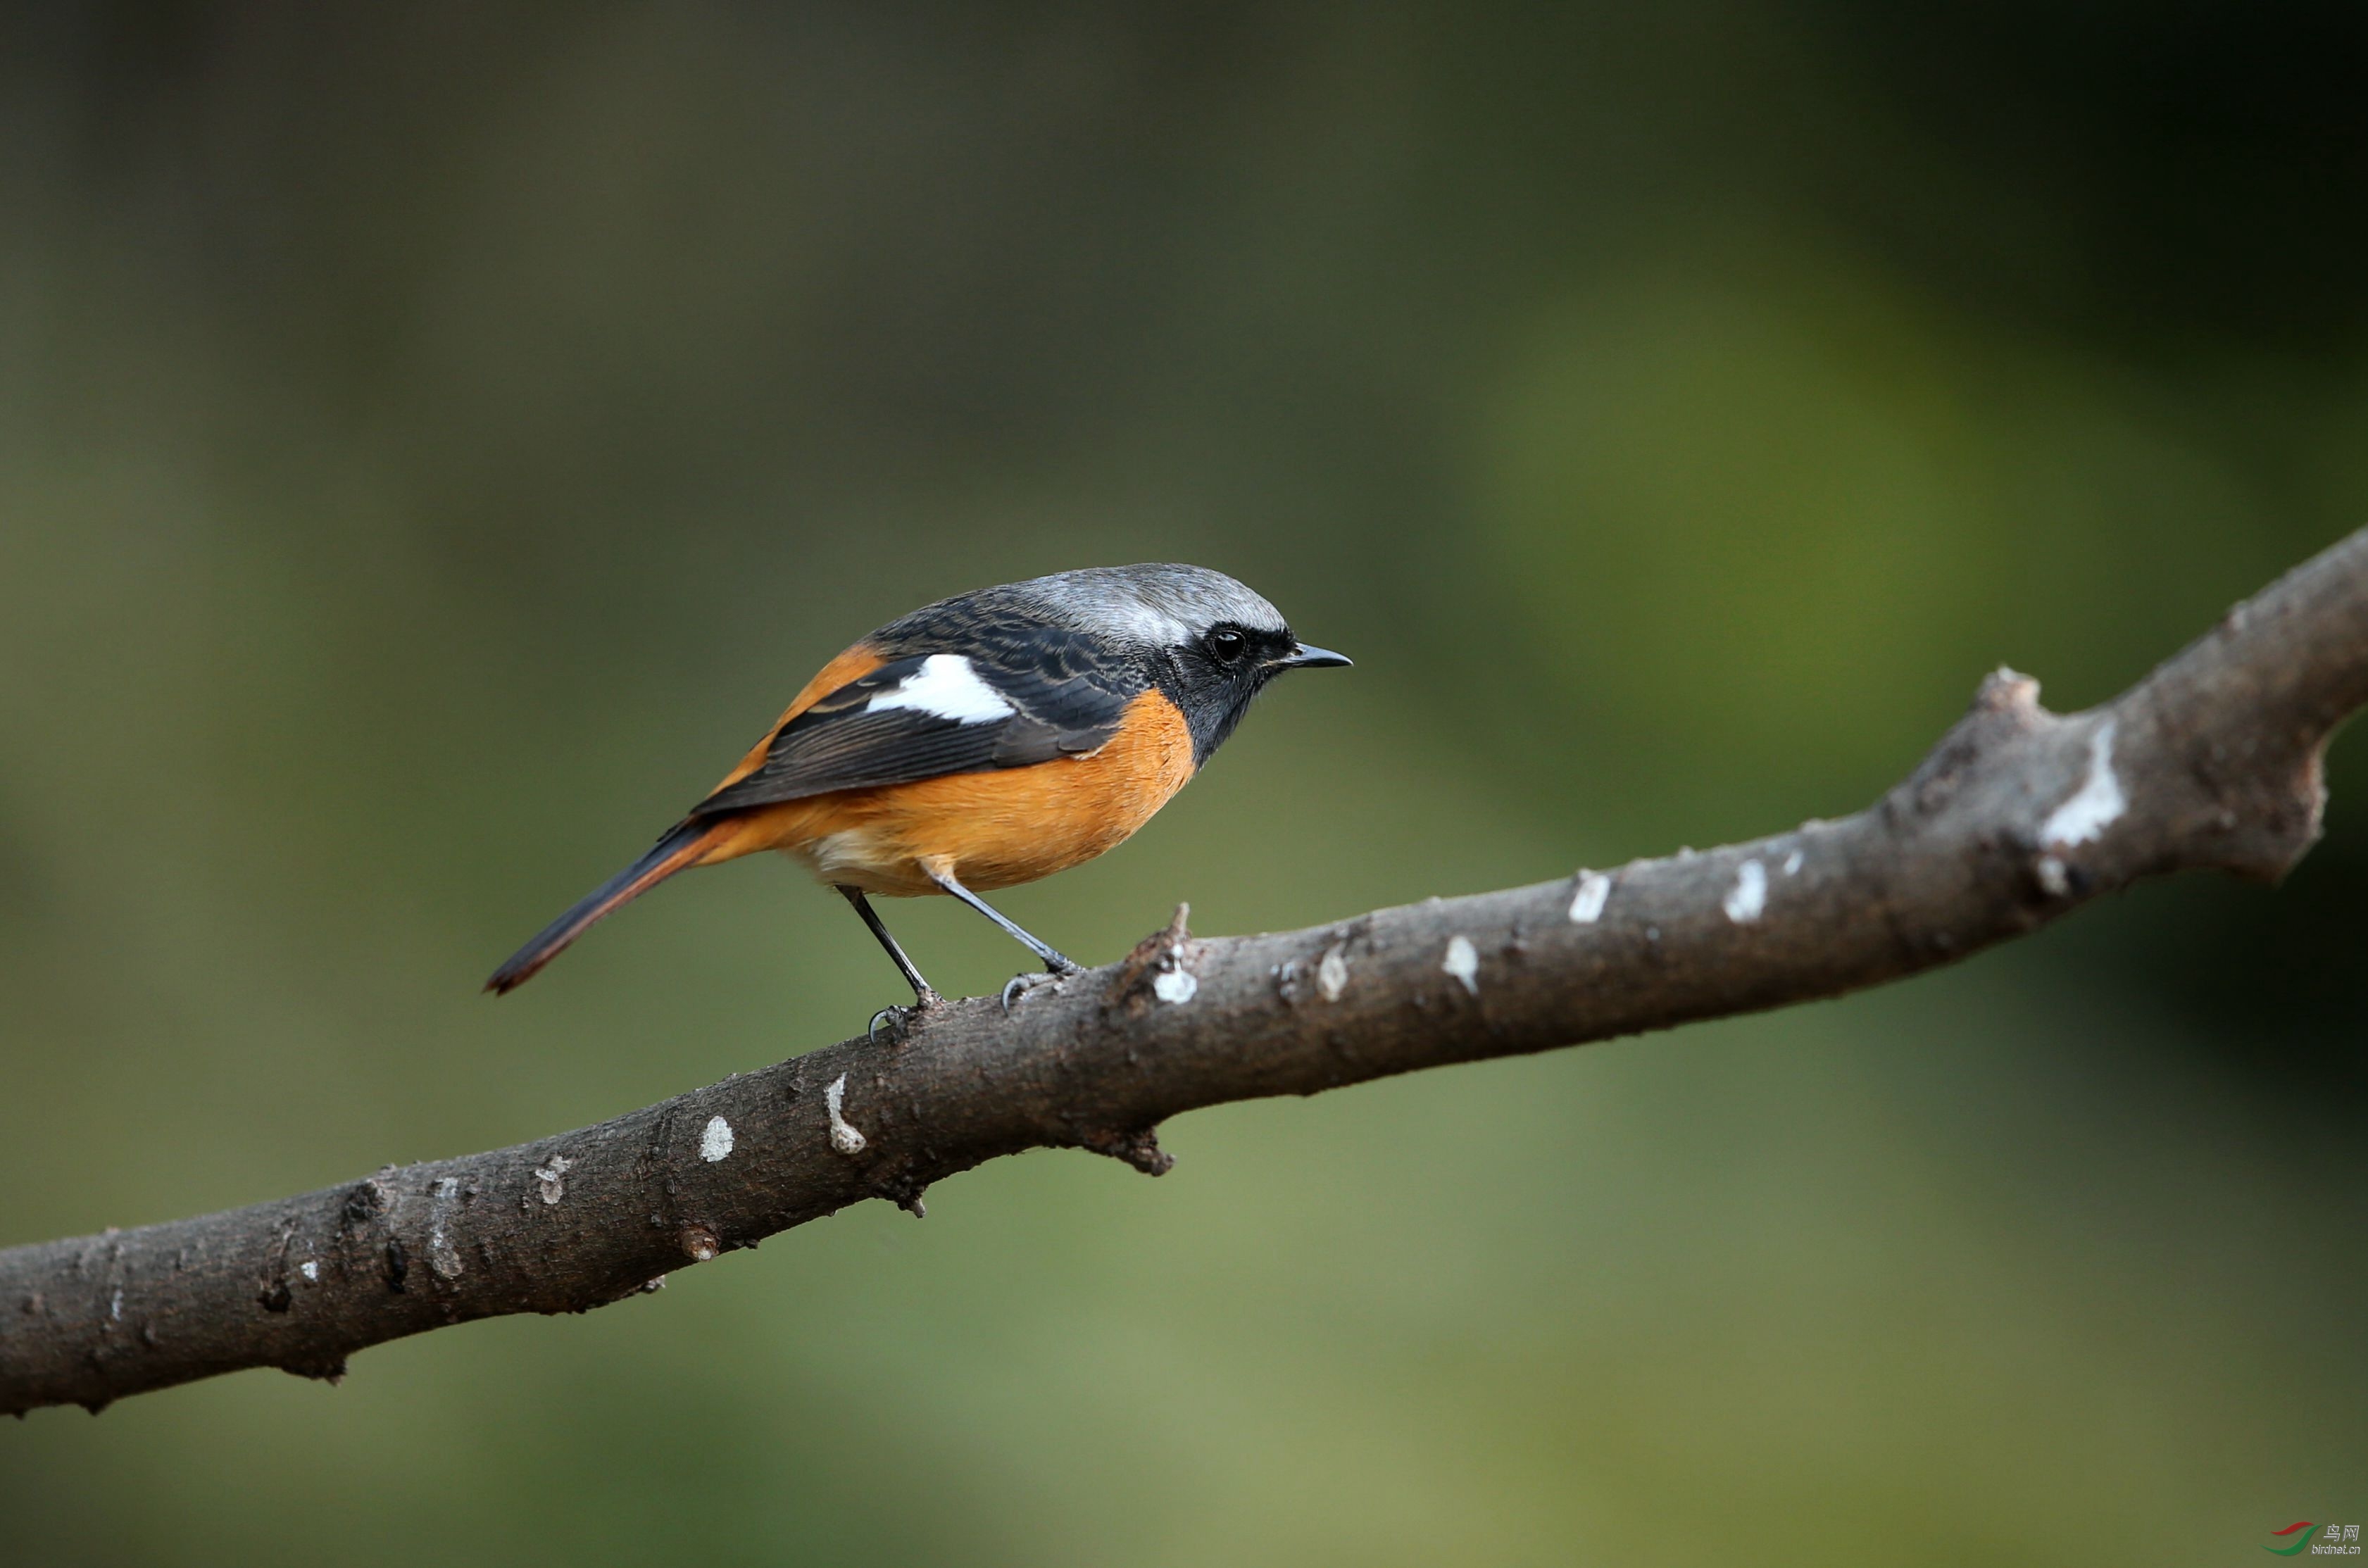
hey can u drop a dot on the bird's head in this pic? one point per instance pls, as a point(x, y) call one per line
point(1210, 642)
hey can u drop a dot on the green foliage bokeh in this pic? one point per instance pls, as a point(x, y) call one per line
point(435, 439)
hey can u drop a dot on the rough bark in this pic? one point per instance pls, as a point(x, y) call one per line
point(2018, 816)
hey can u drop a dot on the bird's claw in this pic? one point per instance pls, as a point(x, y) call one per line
point(1020, 985)
point(905, 1017)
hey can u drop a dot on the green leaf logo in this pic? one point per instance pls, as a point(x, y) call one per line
point(2301, 1533)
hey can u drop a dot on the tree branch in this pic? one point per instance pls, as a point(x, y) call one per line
point(2018, 816)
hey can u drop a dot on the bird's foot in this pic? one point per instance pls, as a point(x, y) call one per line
point(1020, 985)
point(1057, 969)
point(904, 1019)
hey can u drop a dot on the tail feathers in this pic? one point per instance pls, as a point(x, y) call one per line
point(671, 853)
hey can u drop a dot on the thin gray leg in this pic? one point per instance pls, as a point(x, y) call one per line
point(923, 993)
point(1053, 959)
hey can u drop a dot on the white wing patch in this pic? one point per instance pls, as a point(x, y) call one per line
point(946, 686)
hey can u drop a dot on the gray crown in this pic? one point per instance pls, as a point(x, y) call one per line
point(1162, 603)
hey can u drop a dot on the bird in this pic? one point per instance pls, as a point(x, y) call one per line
point(984, 741)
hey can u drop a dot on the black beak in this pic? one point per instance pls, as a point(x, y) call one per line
point(1302, 657)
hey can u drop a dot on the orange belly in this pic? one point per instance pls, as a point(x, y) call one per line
point(990, 830)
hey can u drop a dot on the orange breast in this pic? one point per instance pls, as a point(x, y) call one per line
point(991, 829)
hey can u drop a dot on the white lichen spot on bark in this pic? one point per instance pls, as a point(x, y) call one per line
point(843, 1137)
point(309, 1268)
point(550, 1179)
point(715, 1139)
point(1175, 984)
point(442, 1256)
point(2054, 881)
point(1332, 973)
point(1463, 962)
point(1793, 863)
point(2096, 805)
point(1748, 900)
point(1594, 892)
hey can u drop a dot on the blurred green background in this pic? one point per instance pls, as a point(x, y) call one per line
point(434, 439)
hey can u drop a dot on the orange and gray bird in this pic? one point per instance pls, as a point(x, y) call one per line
point(979, 743)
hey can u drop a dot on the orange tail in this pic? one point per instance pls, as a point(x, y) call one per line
point(680, 849)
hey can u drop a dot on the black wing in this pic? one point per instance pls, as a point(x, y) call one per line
point(931, 714)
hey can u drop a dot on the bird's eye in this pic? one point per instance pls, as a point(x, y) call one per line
point(1226, 642)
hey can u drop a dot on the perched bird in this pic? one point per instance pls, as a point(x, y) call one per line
point(978, 742)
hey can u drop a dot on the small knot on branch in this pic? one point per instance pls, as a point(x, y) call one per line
point(329, 1369)
point(2005, 708)
point(365, 1203)
point(1158, 973)
point(2005, 691)
point(1140, 1149)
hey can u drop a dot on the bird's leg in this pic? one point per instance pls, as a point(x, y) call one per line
point(925, 995)
point(1054, 961)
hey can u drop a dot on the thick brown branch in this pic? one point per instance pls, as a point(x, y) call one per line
point(2017, 816)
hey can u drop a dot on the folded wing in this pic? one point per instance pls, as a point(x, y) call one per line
point(931, 714)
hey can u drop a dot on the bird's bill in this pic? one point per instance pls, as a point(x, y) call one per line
point(1303, 657)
